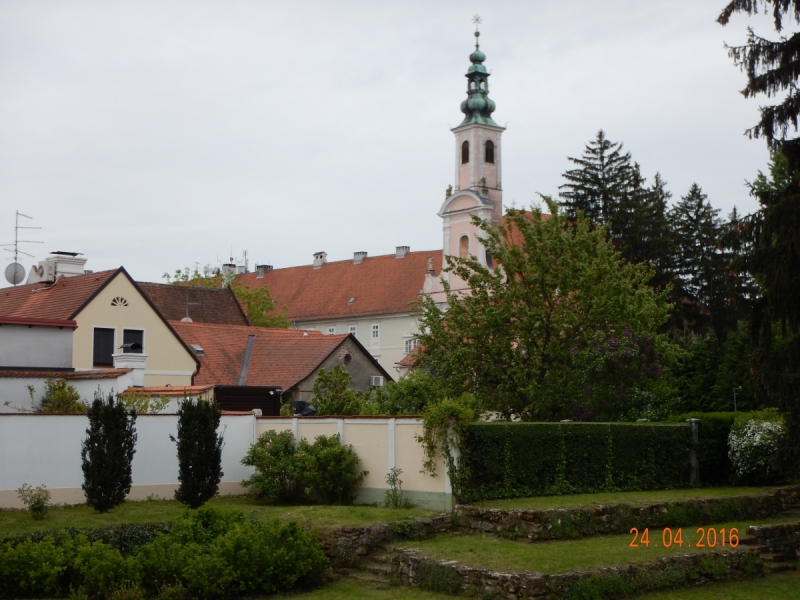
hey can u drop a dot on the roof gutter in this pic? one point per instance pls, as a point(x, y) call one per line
point(40, 322)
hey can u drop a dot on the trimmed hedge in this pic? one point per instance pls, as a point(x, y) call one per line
point(125, 537)
point(509, 460)
point(712, 451)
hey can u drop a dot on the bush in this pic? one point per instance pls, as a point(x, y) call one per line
point(99, 569)
point(199, 452)
point(32, 569)
point(61, 398)
point(324, 472)
point(331, 473)
point(126, 537)
point(332, 394)
point(712, 450)
point(36, 499)
point(107, 453)
point(753, 450)
point(506, 460)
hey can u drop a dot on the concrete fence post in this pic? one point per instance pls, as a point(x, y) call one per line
point(694, 463)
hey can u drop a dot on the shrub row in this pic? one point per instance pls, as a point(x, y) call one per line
point(207, 554)
point(507, 460)
point(712, 451)
point(125, 537)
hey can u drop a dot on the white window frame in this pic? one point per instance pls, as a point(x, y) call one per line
point(331, 330)
point(353, 330)
point(144, 337)
point(375, 328)
point(409, 344)
point(113, 346)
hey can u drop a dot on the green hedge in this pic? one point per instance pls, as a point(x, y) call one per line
point(125, 537)
point(712, 450)
point(508, 460)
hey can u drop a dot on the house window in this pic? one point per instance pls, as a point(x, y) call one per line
point(463, 247)
point(133, 341)
point(376, 332)
point(490, 152)
point(465, 153)
point(353, 330)
point(331, 330)
point(410, 344)
point(103, 347)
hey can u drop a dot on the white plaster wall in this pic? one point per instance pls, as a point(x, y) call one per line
point(14, 390)
point(46, 347)
point(46, 449)
point(389, 348)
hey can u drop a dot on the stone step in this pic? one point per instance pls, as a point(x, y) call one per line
point(778, 557)
point(381, 558)
point(370, 578)
point(780, 567)
point(377, 569)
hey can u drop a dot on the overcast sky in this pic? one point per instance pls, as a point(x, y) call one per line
point(159, 134)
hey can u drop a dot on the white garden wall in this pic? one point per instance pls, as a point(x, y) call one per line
point(46, 449)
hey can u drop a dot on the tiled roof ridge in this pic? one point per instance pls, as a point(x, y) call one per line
point(349, 260)
point(192, 287)
point(281, 330)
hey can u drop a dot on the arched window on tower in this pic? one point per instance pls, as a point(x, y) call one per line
point(463, 247)
point(465, 153)
point(490, 152)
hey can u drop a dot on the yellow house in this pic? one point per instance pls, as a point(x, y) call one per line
point(117, 325)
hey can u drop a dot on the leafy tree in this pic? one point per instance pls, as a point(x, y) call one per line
point(602, 179)
point(199, 452)
point(407, 396)
point(332, 394)
point(524, 337)
point(107, 453)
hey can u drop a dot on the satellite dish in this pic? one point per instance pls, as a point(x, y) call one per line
point(15, 273)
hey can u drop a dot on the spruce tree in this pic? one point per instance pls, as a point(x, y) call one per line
point(602, 179)
point(700, 261)
point(199, 452)
point(107, 453)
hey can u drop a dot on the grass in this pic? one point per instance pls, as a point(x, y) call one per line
point(351, 589)
point(19, 521)
point(544, 502)
point(491, 552)
point(785, 586)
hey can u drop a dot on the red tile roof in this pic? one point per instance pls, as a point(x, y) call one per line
point(378, 285)
point(279, 357)
point(185, 390)
point(62, 300)
point(205, 305)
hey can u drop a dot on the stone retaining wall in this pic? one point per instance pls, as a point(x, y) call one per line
point(346, 546)
point(783, 539)
point(411, 568)
point(583, 521)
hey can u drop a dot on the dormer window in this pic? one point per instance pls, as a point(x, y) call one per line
point(490, 152)
point(464, 153)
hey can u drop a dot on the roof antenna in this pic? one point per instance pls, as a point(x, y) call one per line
point(15, 272)
point(187, 318)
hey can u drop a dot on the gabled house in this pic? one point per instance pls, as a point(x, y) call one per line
point(91, 321)
point(235, 355)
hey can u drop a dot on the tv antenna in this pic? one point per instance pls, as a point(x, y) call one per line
point(15, 272)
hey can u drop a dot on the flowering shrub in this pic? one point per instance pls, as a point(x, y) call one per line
point(753, 448)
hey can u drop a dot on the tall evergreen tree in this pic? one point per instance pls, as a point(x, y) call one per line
point(199, 452)
point(107, 453)
point(602, 179)
point(700, 262)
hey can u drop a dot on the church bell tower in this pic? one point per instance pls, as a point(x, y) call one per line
point(478, 158)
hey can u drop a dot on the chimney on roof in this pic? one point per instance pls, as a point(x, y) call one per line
point(320, 258)
point(58, 264)
point(400, 251)
point(228, 268)
point(358, 257)
point(261, 270)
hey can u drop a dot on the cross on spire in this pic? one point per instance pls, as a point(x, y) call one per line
point(477, 20)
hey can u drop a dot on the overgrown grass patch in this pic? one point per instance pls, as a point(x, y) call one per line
point(545, 502)
point(13, 522)
point(491, 552)
point(785, 586)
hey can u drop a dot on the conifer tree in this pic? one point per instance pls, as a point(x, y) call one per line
point(107, 453)
point(700, 263)
point(602, 179)
point(199, 452)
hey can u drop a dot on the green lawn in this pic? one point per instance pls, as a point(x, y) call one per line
point(543, 502)
point(491, 552)
point(20, 521)
point(351, 589)
point(785, 586)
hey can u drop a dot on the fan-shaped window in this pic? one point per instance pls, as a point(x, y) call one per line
point(464, 153)
point(463, 247)
point(490, 152)
point(119, 301)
